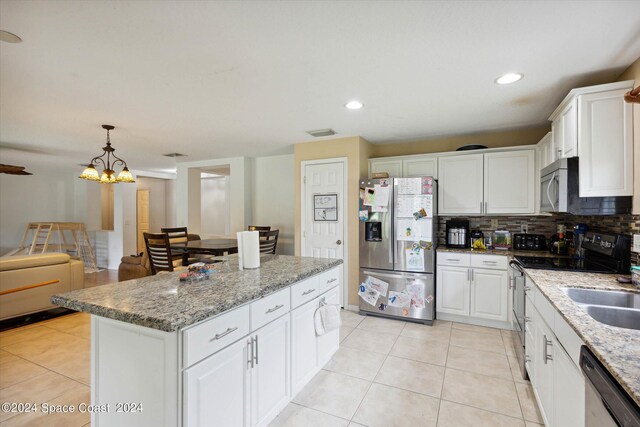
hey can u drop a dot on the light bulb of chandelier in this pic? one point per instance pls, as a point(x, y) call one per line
point(125, 176)
point(90, 173)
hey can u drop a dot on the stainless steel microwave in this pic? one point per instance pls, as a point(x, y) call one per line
point(560, 190)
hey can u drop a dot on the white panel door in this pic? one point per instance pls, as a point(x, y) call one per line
point(217, 390)
point(422, 166)
point(460, 184)
point(569, 119)
point(323, 238)
point(568, 386)
point(392, 167)
point(489, 292)
point(509, 186)
point(270, 378)
point(452, 290)
point(329, 342)
point(304, 360)
point(543, 360)
point(605, 126)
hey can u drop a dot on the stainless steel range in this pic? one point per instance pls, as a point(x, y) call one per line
point(603, 253)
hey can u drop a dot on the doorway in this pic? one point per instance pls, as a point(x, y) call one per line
point(323, 207)
point(142, 217)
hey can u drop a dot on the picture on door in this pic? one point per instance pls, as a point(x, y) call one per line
point(325, 207)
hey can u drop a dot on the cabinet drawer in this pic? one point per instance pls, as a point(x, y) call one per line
point(454, 259)
point(270, 308)
point(568, 338)
point(498, 262)
point(329, 279)
point(544, 307)
point(304, 291)
point(213, 335)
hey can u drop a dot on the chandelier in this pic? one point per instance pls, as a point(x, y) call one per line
point(108, 174)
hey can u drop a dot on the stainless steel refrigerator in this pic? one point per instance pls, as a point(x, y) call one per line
point(398, 237)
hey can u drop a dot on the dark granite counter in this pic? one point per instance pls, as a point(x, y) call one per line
point(163, 302)
point(510, 252)
point(617, 348)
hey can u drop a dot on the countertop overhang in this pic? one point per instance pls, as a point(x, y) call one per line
point(163, 302)
point(617, 348)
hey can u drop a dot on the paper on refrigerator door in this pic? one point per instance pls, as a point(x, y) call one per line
point(415, 260)
point(382, 195)
point(407, 205)
point(413, 230)
point(399, 299)
point(368, 293)
point(409, 185)
point(379, 285)
point(416, 292)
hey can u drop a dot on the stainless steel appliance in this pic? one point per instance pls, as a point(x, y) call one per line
point(457, 233)
point(603, 253)
point(560, 192)
point(397, 248)
point(529, 242)
point(606, 403)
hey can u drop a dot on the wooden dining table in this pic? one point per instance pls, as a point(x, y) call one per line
point(215, 247)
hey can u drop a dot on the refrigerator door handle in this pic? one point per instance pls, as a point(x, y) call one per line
point(393, 276)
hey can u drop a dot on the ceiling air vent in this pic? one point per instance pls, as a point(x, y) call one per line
point(174, 155)
point(321, 132)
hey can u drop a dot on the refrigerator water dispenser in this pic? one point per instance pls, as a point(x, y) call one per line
point(373, 231)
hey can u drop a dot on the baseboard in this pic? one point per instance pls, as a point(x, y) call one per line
point(353, 308)
point(474, 321)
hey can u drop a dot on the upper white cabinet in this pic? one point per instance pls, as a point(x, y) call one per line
point(392, 167)
point(406, 167)
point(491, 183)
point(460, 184)
point(421, 166)
point(595, 124)
point(509, 186)
point(546, 153)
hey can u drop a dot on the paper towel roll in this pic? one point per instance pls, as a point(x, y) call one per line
point(251, 249)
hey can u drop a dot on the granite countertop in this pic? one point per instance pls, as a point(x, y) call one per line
point(163, 302)
point(617, 348)
point(509, 252)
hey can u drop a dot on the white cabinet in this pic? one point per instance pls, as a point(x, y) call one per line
point(329, 342)
point(569, 388)
point(304, 344)
point(270, 380)
point(452, 290)
point(605, 126)
point(491, 183)
point(393, 167)
point(595, 124)
point(489, 294)
point(420, 166)
point(543, 361)
point(460, 186)
point(466, 293)
point(216, 390)
point(509, 186)
point(546, 154)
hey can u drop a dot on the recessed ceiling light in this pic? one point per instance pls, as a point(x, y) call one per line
point(8, 37)
point(509, 78)
point(354, 105)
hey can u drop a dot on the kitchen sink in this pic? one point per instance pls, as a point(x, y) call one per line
point(619, 317)
point(615, 308)
point(608, 298)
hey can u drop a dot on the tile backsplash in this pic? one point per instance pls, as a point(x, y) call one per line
point(547, 224)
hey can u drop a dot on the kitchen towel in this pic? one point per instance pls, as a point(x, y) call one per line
point(248, 249)
point(326, 318)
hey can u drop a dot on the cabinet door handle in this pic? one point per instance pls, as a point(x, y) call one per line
point(453, 259)
point(250, 361)
point(489, 262)
point(545, 354)
point(307, 292)
point(276, 308)
point(256, 349)
point(223, 334)
point(332, 280)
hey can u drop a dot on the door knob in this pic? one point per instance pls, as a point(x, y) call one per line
point(339, 242)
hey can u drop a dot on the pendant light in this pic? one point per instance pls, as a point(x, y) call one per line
point(108, 174)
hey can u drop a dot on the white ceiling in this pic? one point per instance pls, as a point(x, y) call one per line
point(221, 79)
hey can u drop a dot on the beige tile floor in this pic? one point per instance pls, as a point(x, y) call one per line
point(390, 373)
point(386, 373)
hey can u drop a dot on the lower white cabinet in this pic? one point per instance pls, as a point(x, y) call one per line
point(470, 294)
point(329, 342)
point(558, 382)
point(270, 381)
point(305, 348)
point(216, 390)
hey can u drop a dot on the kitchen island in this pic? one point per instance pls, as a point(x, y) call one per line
point(230, 350)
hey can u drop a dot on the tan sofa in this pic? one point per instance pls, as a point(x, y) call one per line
point(19, 271)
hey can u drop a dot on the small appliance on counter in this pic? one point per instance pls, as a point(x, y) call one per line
point(457, 233)
point(529, 242)
point(502, 239)
point(477, 240)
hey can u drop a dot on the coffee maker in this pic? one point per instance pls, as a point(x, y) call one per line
point(457, 233)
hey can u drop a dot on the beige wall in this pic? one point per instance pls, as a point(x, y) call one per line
point(633, 73)
point(495, 139)
point(357, 152)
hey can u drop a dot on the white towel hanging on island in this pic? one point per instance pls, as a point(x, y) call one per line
point(326, 318)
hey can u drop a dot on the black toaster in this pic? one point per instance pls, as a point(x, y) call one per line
point(529, 242)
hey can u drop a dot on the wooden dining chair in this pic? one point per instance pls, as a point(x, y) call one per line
point(159, 252)
point(269, 241)
point(180, 235)
point(259, 228)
